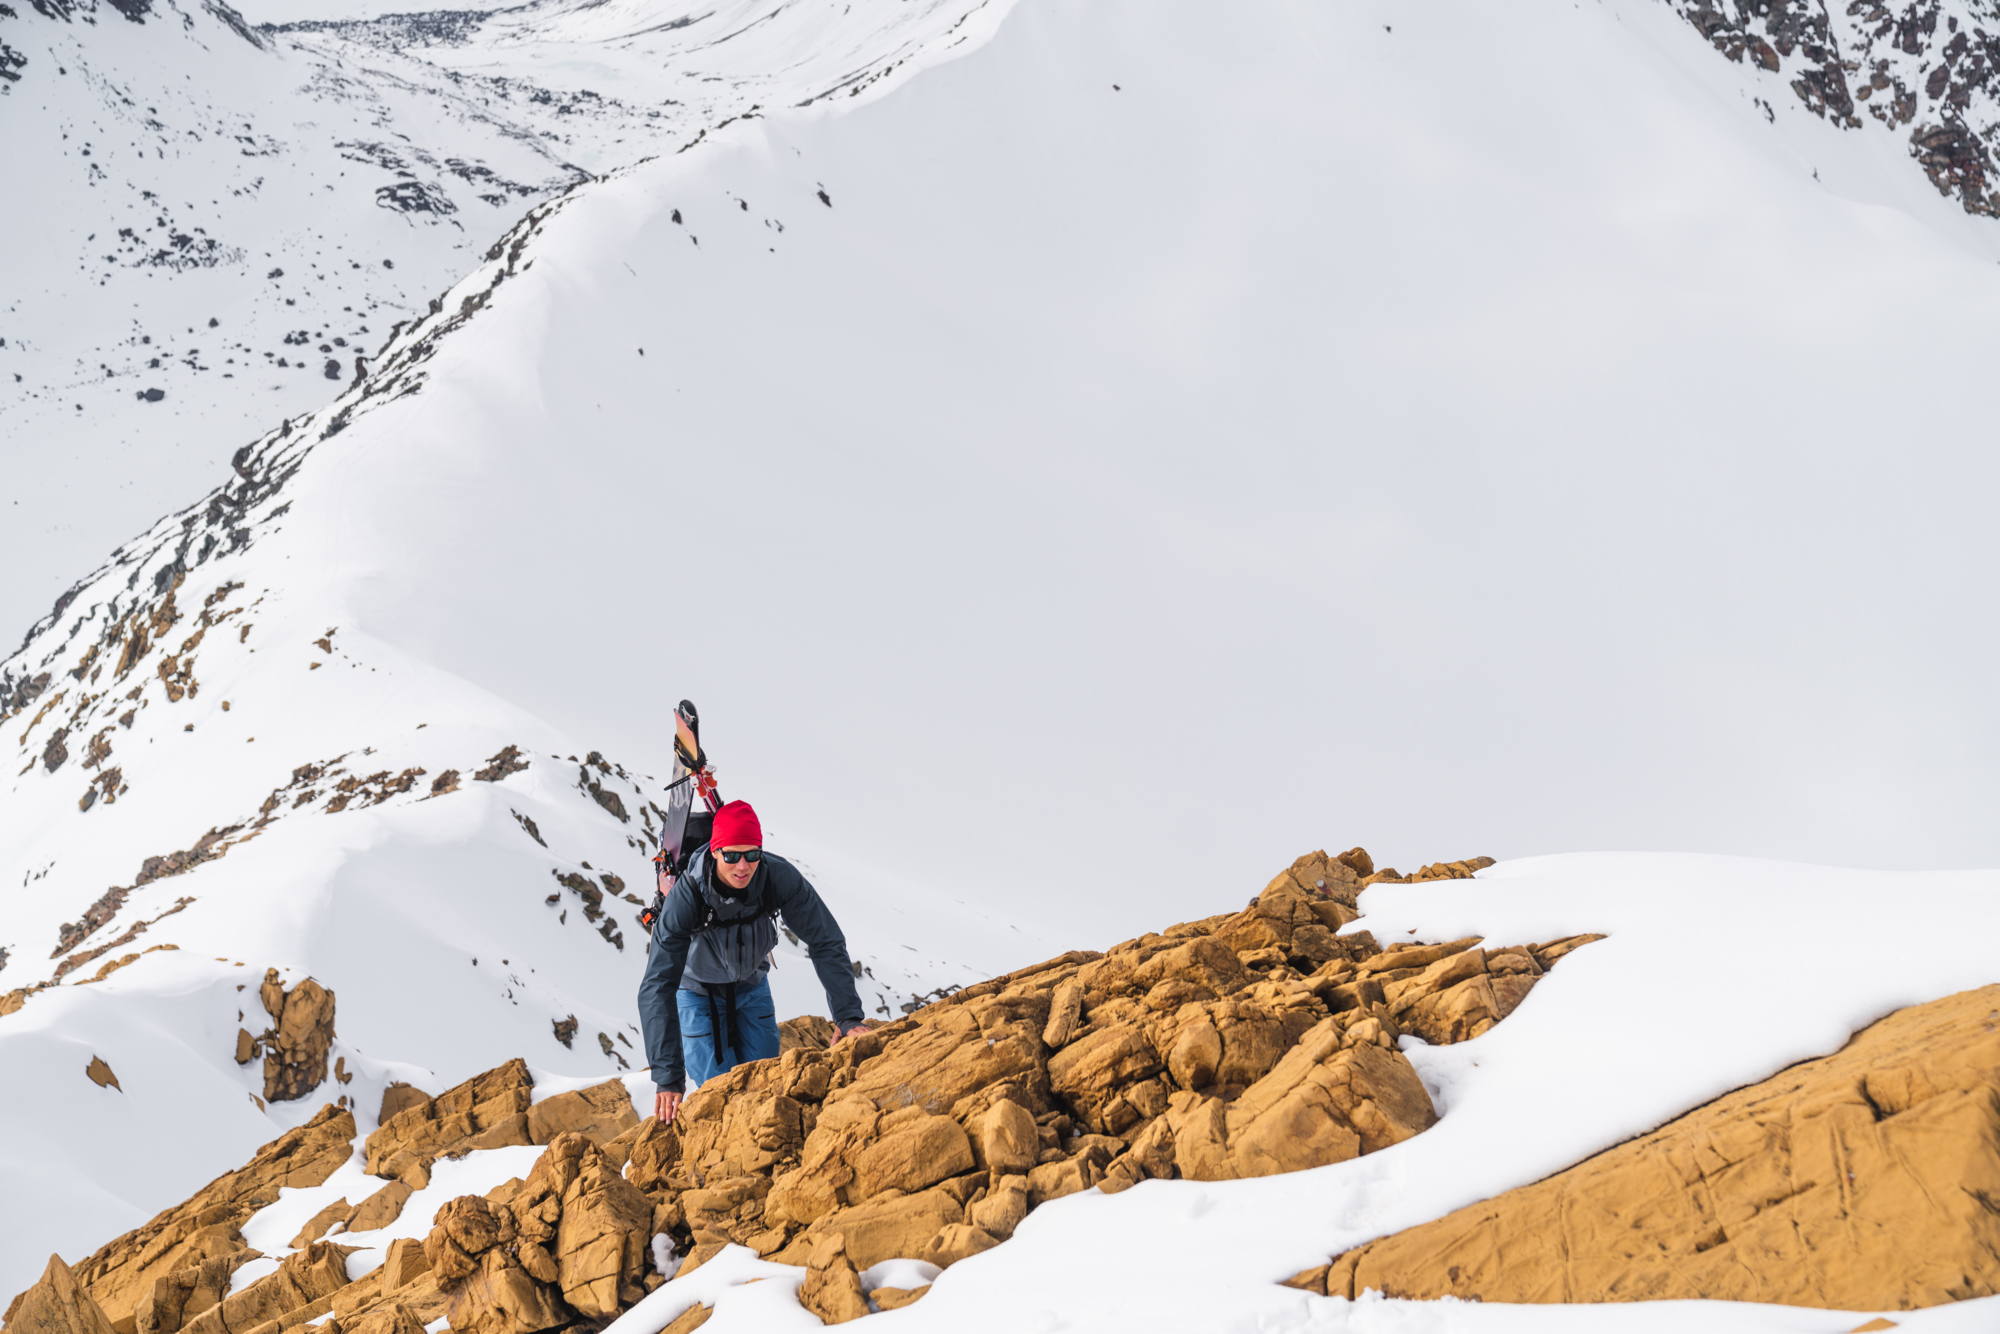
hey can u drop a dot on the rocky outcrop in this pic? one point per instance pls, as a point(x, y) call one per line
point(1255, 1042)
point(57, 1304)
point(1929, 65)
point(488, 1111)
point(296, 1045)
point(1242, 1045)
point(1865, 1180)
point(572, 1240)
point(122, 1276)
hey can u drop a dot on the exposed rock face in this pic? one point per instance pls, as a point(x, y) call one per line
point(295, 1049)
point(486, 1112)
point(1242, 1045)
point(122, 1275)
point(57, 1304)
point(1246, 1044)
point(602, 1113)
point(571, 1241)
point(489, 1111)
point(1861, 1181)
point(1917, 64)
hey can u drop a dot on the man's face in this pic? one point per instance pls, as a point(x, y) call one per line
point(737, 876)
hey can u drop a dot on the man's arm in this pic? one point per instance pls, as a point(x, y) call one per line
point(659, 1015)
point(807, 916)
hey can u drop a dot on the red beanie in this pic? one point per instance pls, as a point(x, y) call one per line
point(735, 826)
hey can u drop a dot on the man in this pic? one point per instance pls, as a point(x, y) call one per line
point(705, 1002)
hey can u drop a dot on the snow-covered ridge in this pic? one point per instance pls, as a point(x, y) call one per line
point(228, 217)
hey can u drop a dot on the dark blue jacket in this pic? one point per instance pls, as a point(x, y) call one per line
point(735, 948)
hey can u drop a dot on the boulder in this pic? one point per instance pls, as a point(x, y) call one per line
point(831, 1289)
point(955, 1242)
point(295, 1051)
point(316, 1226)
point(403, 1263)
point(305, 1280)
point(917, 1154)
point(894, 1299)
point(382, 1208)
point(188, 1292)
point(56, 1304)
point(601, 1243)
point(1001, 1211)
point(500, 1297)
point(1008, 1139)
point(486, 1111)
point(890, 1228)
point(602, 1112)
point(1858, 1181)
point(388, 1318)
point(1325, 1102)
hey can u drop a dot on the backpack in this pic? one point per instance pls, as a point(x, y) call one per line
point(698, 828)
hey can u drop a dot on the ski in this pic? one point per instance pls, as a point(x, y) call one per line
point(683, 829)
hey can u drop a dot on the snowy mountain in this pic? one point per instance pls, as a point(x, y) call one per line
point(1074, 461)
point(221, 222)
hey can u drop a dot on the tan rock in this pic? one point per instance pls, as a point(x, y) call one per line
point(894, 1299)
point(1066, 1176)
point(403, 1263)
point(188, 1292)
point(689, 1320)
point(831, 1289)
point(1008, 1139)
point(602, 1112)
point(399, 1097)
point(1857, 1181)
point(203, 1227)
point(809, 1031)
point(500, 1297)
point(890, 1228)
point(606, 1224)
point(295, 1054)
point(304, 1280)
point(654, 1152)
point(1092, 1069)
point(916, 1155)
point(1414, 956)
point(955, 1242)
point(382, 1208)
point(1064, 1010)
point(316, 1226)
point(1005, 1205)
point(56, 1304)
point(493, 1104)
point(1323, 1103)
point(1222, 1042)
point(388, 1318)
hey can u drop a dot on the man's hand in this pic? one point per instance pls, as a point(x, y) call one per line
point(847, 1033)
point(666, 1106)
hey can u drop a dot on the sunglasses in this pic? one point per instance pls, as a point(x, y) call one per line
point(751, 855)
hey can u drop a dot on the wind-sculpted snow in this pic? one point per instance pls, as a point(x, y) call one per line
point(205, 190)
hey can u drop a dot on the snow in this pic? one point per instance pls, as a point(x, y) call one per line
point(1073, 480)
point(899, 1274)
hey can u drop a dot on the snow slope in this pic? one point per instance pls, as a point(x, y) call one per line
point(1072, 483)
point(214, 221)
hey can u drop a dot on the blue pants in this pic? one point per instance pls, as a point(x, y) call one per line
point(756, 1028)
